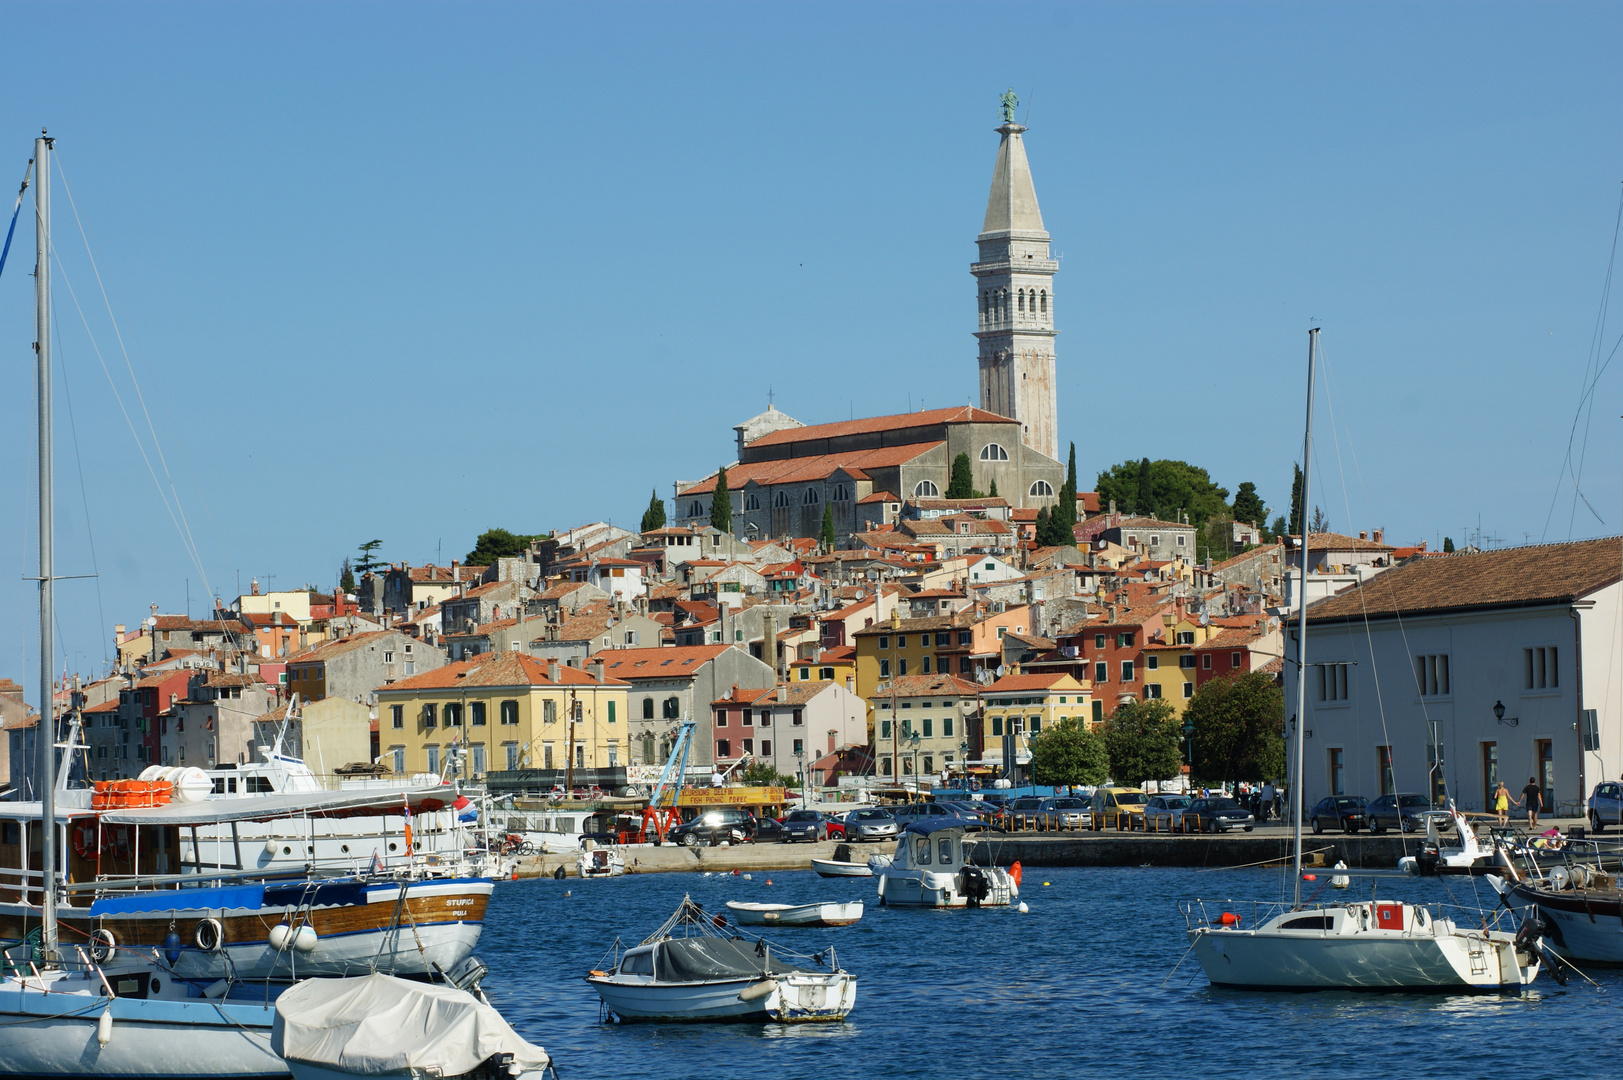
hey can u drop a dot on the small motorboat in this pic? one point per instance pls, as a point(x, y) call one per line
point(688, 971)
point(929, 869)
point(381, 1026)
point(1432, 854)
point(601, 862)
point(835, 868)
point(821, 914)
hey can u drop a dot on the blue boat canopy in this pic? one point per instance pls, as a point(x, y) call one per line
point(237, 897)
point(931, 825)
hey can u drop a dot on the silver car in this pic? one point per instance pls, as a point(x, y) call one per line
point(870, 825)
point(1165, 811)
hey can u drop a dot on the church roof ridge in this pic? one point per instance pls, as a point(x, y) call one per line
point(1012, 204)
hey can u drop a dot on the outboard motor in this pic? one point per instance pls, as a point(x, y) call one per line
point(1427, 858)
point(976, 885)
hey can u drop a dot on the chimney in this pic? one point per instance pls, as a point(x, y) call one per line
point(553, 672)
point(455, 575)
point(1362, 535)
point(595, 667)
point(783, 694)
point(1378, 533)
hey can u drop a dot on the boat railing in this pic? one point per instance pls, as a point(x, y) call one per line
point(1199, 914)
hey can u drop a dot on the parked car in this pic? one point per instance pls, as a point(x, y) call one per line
point(1220, 815)
point(1404, 812)
point(804, 825)
point(1165, 810)
point(1114, 803)
point(770, 831)
point(1020, 813)
point(1606, 805)
point(835, 824)
point(870, 824)
point(1344, 812)
point(1064, 812)
point(714, 826)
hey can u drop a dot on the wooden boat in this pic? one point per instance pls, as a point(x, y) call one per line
point(819, 914)
point(835, 868)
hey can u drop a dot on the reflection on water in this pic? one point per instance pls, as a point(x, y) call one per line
point(1081, 981)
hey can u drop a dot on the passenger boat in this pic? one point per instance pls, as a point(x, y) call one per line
point(836, 868)
point(688, 972)
point(929, 869)
point(386, 1028)
point(823, 914)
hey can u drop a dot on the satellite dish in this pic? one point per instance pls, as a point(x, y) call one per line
point(1001, 670)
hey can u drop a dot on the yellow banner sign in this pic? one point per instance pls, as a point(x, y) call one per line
point(736, 796)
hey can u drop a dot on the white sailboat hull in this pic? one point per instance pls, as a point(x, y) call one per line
point(49, 1035)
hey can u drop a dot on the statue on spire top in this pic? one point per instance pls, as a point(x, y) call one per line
point(1008, 103)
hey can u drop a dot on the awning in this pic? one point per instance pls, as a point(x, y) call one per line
point(269, 807)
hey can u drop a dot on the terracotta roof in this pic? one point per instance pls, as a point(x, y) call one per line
point(325, 650)
point(959, 504)
point(805, 470)
point(962, 414)
point(1512, 577)
point(795, 693)
point(1228, 639)
point(207, 626)
point(662, 663)
point(1089, 501)
point(496, 669)
point(1246, 556)
point(1016, 683)
point(1149, 523)
point(840, 654)
point(878, 497)
point(911, 626)
point(231, 678)
point(438, 574)
point(1338, 542)
point(925, 685)
point(1031, 640)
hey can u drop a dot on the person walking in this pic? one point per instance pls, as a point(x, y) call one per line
point(1267, 799)
point(1501, 803)
point(1532, 796)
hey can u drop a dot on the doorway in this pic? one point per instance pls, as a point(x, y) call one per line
point(1546, 773)
point(1490, 773)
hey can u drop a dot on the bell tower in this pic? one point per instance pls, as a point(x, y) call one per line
point(1014, 280)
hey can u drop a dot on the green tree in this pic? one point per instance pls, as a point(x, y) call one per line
point(1249, 508)
point(346, 578)
point(366, 563)
point(1066, 510)
point(1051, 531)
point(991, 490)
point(826, 534)
point(721, 505)
point(1142, 739)
point(1296, 520)
point(1069, 753)
point(762, 774)
point(1162, 488)
point(1238, 725)
point(961, 484)
point(496, 544)
point(1448, 545)
point(1281, 527)
point(654, 517)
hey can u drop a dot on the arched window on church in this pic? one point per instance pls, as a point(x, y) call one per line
point(926, 490)
point(811, 498)
point(1043, 300)
point(1020, 301)
point(841, 493)
point(994, 452)
point(696, 510)
point(1042, 490)
point(780, 499)
point(752, 501)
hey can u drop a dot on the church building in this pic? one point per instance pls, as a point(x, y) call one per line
point(787, 472)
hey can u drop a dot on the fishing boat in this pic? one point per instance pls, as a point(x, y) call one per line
point(382, 1027)
point(64, 1013)
point(1349, 946)
point(822, 914)
point(688, 971)
point(930, 869)
point(836, 868)
point(600, 862)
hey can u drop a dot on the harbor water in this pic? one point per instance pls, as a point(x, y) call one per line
point(1084, 979)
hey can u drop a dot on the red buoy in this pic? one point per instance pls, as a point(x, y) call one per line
point(1310, 877)
point(1228, 918)
point(1014, 872)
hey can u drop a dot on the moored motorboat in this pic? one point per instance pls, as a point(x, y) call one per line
point(687, 972)
point(600, 862)
point(819, 914)
point(836, 868)
point(930, 869)
point(1581, 907)
point(384, 1027)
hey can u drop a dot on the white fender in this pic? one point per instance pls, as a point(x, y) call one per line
point(758, 990)
point(104, 1026)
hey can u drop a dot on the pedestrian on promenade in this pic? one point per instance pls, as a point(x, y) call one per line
point(1268, 794)
point(1533, 797)
point(1501, 803)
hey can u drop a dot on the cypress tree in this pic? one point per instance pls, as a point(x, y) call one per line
point(961, 484)
point(721, 505)
point(1066, 510)
point(1296, 522)
point(826, 536)
point(654, 517)
point(991, 492)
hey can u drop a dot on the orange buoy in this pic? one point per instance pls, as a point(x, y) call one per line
point(1228, 918)
point(1310, 877)
point(1014, 872)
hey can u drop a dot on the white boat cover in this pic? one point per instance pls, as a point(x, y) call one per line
point(376, 1025)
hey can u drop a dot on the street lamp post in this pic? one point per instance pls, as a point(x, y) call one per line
point(800, 767)
point(913, 741)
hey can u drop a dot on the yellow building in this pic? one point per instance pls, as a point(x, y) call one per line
point(1169, 663)
point(510, 711)
point(958, 645)
point(924, 720)
point(836, 665)
point(1027, 705)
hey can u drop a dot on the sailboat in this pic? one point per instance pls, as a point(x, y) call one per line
point(64, 1014)
point(1369, 945)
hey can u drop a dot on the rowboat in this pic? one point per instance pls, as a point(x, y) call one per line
point(835, 868)
point(820, 914)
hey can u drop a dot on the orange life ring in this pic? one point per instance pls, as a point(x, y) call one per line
point(84, 839)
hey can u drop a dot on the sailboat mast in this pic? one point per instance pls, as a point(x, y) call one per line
point(45, 735)
point(1301, 621)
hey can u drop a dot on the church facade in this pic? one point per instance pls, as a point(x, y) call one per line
point(787, 473)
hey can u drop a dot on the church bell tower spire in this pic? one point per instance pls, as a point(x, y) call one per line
point(1015, 285)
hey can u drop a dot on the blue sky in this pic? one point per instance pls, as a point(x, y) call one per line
point(412, 271)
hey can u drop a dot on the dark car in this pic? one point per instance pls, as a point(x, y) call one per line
point(714, 826)
point(1404, 812)
point(1344, 812)
point(770, 831)
point(805, 825)
point(972, 811)
point(870, 824)
point(1219, 815)
point(1606, 805)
